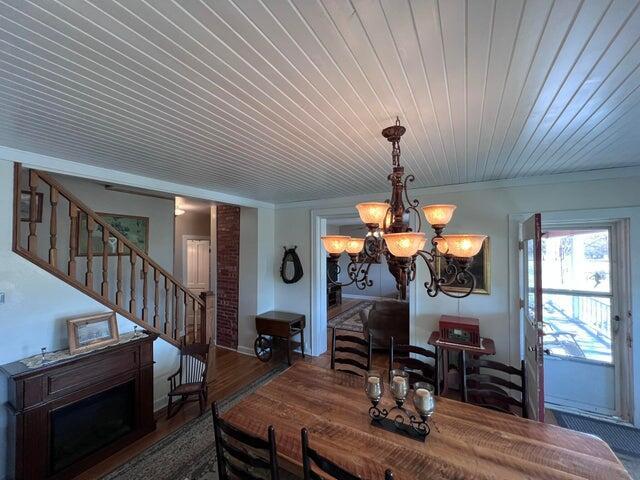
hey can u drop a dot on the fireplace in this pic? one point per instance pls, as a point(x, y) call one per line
point(84, 427)
point(71, 414)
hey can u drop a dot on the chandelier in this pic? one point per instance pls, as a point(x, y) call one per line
point(391, 237)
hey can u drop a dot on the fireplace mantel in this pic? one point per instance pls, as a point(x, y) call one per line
point(45, 402)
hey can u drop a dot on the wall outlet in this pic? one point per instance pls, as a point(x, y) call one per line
point(1, 298)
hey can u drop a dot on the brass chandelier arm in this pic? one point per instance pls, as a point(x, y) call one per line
point(452, 275)
point(358, 274)
point(412, 204)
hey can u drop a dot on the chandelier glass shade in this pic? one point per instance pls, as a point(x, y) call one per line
point(390, 236)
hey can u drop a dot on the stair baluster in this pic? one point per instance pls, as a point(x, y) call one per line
point(33, 213)
point(104, 286)
point(132, 301)
point(166, 305)
point(156, 301)
point(73, 240)
point(89, 275)
point(119, 292)
point(53, 227)
point(145, 272)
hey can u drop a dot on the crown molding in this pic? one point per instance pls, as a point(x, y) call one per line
point(104, 175)
point(584, 176)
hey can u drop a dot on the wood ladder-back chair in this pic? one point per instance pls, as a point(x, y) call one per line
point(309, 456)
point(191, 378)
point(417, 368)
point(238, 445)
point(354, 347)
point(491, 391)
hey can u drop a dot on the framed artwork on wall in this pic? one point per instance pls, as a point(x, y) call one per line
point(95, 331)
point(481, 270)
point(135, 229)
point(25, 206)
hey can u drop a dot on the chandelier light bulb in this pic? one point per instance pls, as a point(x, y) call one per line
point(354, 245)
point(405, 244)
point(372, 213)
point(438, 214)
point(335, 244)
point(465, 245)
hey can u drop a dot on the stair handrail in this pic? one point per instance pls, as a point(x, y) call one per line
point(74, 201)
point(115, 233)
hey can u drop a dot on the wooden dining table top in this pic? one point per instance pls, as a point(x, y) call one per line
point(466, 441)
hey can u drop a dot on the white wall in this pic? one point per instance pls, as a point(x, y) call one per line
point(256, 292)
point(482, 209)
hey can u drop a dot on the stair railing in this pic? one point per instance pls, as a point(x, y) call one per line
point(167, 308)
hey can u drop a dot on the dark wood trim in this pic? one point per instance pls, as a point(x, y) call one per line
point(36, 393)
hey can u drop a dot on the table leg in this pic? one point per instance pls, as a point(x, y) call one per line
point(289, 350)
point(302, 341)
point(463, 375)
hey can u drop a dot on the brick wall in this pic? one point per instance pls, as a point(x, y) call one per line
point(228, 255)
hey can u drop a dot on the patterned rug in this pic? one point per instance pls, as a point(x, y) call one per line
point(350, 318)
point(189, 452)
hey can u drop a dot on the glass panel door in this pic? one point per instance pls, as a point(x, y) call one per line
point(577, 293)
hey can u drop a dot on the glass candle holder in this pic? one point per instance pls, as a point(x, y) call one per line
point(399, 384)
point(373, 386)
point(424, 399)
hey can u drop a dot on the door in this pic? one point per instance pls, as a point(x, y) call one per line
point(531, 303)
point(581, 317)
point(197, 264)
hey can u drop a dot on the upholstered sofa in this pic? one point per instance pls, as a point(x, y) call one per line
point(387, 318)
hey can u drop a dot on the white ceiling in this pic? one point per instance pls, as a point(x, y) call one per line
point(285, 100)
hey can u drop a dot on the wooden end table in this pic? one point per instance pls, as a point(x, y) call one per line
point(488, 347)
point(275, 324)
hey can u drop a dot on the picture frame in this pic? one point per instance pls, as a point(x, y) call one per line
point(134, 228)
point(25, 206)
point(481, 270)
point(91, 332)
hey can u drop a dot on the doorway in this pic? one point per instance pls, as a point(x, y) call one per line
point(196, 251)
point(581, 296)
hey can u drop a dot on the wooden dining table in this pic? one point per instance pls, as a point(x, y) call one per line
point(466, 441)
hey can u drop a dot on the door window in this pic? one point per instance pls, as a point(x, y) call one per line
point(577, 293)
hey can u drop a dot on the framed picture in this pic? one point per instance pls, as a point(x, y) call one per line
point(87, 333)
point(25, 206)
point(135, 229)
point(480, 268)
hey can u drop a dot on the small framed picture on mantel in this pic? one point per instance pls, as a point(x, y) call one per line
point(91, 332)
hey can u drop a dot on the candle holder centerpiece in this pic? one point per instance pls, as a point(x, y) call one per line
point(399, 419)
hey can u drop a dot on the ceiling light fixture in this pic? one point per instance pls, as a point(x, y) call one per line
point(390, 236)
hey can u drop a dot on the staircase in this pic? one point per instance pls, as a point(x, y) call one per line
point(63, 236)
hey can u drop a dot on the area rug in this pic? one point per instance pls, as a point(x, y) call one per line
point(350, 318)
point(189, 452)
point(623, 440)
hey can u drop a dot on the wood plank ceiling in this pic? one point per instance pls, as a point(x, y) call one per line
point(285, 100)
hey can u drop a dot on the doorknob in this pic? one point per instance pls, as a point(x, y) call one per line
point(616, 323)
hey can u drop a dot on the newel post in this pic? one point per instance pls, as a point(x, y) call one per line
point(206, 317)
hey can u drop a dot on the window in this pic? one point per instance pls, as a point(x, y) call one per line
point(577, 293)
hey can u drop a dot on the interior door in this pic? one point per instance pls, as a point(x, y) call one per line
point(531, 261)
point(198, 265)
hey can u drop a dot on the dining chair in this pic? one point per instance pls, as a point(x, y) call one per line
point(309, 456)
point(352, 351)
point(483, 387)
point(191, 378)
point(240, 446)
point(415, 361)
